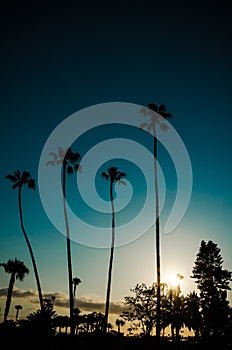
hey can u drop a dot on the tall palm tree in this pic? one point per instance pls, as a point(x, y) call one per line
point(19, 180)
point(17, 307)
point(17, 270)
point(114, 176)
point(70, 164)
point(151, 127)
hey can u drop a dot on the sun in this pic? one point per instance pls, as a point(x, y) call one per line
point(173, 279)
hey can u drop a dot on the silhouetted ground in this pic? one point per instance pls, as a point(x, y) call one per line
point(99, 342)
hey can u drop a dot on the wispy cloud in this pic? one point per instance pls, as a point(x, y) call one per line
point(93, 305)
point(61, 300)
point(19, 293)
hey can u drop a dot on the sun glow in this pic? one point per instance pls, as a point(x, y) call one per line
point(174, 280)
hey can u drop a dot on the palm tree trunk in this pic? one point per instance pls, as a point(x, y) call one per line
point(9, 295)
point(71, 303)
point(111, 259)
point(157, 243)
point(17, 314)
point(74, 296)
point(30, 249)
point(173, 334)
point(177, 334)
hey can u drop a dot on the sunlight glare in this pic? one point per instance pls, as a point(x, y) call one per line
point(174, 279)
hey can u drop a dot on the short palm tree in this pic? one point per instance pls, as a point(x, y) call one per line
point(70, 164)
point(114, 176)
point(76, 282)
point(17, 271)
point(109, 327)
point(119, 322)
point(151, 126)
point(17, 307)
point(19, 180)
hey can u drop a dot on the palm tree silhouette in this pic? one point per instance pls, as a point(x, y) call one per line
point(114, 176)
point(17, 270)
point(76, 281)
point(156, 121)
point(70, 164)
point(19, 180)
point(119, 322)
point(17, 307)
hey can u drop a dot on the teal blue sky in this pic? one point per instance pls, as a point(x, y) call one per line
point(59, 59)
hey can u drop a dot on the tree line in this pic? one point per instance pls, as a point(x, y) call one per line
point(206, 312)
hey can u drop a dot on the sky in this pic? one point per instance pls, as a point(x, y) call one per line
point(72, 58)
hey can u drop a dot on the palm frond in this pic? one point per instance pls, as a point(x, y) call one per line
point(143, 110)
point(122, 182)
point(78, 167)
point(105, 175)
point(163, 127)
point(119, 176)
point(59, 161)
point(113, 172)
point(163, 114)
point(12, 178)
point(61, 152)
point(54, 155)
point(122, 174)
point(31, 184)
point(76, 157)
point(168, 115)
point(143, 125)
point(76, 281)
point(67, 154)
point(153, 106)
point(162, 109)
point(150, 127)
point(17, 174)
point(50, 162)
point(25, 176)
point(16, 185)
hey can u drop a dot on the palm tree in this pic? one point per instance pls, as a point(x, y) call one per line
point(76, 281)
point(17, 307)
point(174, 312)
point(119, 323)
point(70, 164)
point(19, 180)
point(151, 127)
point(114, 176)
point(109, 327)
point(17, 270)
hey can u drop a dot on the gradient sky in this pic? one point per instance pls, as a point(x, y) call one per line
point(57, 60)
